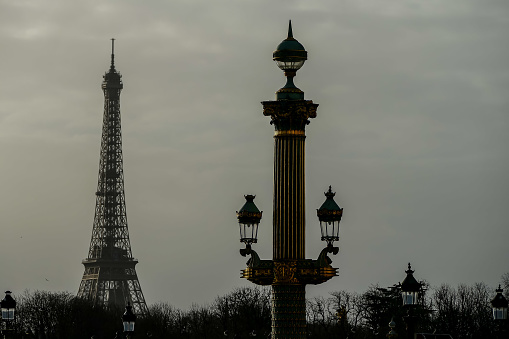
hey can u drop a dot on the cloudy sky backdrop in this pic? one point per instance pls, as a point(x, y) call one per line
point(411, 132)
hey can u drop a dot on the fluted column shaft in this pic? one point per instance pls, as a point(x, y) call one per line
point(289, 199)
point(288, 297)
point(289, 118)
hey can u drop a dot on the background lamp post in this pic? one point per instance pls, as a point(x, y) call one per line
point(499, 306)
point(410, 291)
point(289, 271)
point(128, 320)
point(8, 306)
point(410, 288)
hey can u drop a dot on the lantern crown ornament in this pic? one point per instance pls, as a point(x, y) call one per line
point(329, 215)
point(289, 56)
point(499, 305)
point(410, 288)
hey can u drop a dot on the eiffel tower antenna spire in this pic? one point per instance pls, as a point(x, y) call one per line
point(110, 277)
point(112, 53)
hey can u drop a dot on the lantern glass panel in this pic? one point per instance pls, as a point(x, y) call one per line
point(128, 326)
point(409, 298)
point(335, 230)
point(8, 313)
point(499, 313)
point(290, 64)
point(330, 230)
point(323, 228)
point(248, 233)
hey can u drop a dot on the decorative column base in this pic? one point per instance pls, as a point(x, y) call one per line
point(288, 312)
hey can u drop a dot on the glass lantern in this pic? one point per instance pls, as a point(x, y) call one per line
point(330, 215)
point(249, 218)
point(410, 288)
point(290, 55)
point(128, 319)
point(499, 305)
point(8, 305)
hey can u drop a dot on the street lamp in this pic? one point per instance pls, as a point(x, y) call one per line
point(330, 215)
point(410, 288)
point(249, 218)
point(289, 271)
point(499, 306)
point(410, 291)
point(128, 320)
point(8, 306)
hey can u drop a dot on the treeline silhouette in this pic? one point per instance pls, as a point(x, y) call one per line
point(463, 312)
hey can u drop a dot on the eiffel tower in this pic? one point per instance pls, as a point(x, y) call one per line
point(110, 277)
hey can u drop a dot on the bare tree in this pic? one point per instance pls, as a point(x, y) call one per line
point(464, 312)
point(49, 315)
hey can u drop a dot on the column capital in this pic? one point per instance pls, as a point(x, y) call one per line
point(290, 115)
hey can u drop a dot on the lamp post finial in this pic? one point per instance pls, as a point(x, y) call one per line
point(290, 33)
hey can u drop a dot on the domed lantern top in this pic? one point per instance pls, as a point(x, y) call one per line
point(249, 218)
point(410, 288)
point(499, 305)
point(290, 54)
point(8, 305)
point(330, 215)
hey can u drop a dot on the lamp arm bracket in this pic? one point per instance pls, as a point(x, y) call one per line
point(254, 261)
point(323, 259)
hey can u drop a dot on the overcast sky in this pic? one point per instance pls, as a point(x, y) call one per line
point(411, 132)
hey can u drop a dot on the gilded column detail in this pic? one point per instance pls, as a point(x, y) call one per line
point(288, 311)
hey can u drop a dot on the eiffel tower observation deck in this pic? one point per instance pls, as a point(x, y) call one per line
point(110, 277)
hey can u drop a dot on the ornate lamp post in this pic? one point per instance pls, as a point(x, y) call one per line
point(289, 271)
point(8, 305)
point(499, 306)
point(410, 291)
point(128, 320)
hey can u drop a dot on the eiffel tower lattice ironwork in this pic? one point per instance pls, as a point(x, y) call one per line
point(110, 277)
